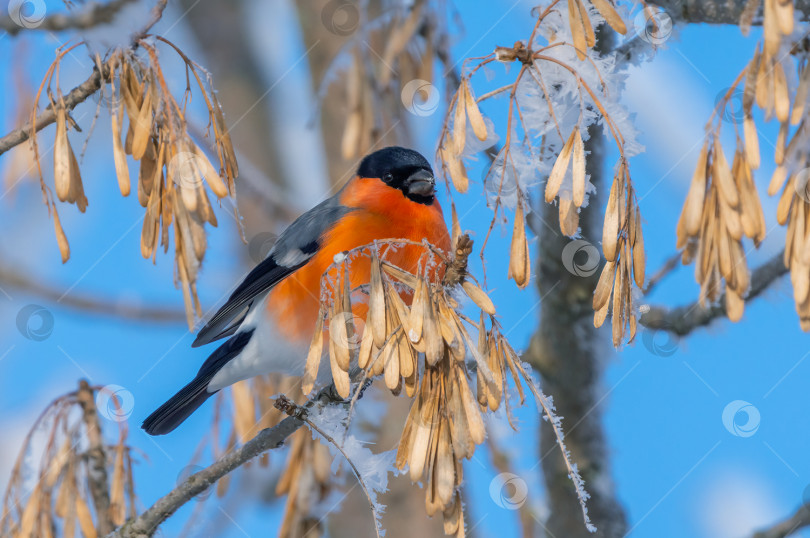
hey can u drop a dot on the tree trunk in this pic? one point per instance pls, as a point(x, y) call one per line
point(566, 351)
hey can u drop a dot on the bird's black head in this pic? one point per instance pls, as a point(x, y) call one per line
point(402, 169)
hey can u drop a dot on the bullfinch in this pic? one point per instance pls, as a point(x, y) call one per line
point(269, 319)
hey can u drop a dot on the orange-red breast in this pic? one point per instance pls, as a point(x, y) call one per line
point(270, 317)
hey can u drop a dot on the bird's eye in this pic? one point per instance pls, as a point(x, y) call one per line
point(388, 177)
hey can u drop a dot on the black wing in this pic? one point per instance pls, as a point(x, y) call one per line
point(294, 248)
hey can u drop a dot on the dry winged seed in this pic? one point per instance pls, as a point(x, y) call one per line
point(314, 355)
point(781, 96)
point(569, 217)
point(557, 174)
point(638, 254)
point(618, 304)
point(602, 292)
point(376, 304)
point(120, 158)
point(209, 173)
point(407, 356)
point(475, 424)
point(519, 263)
point(456, 227)
point(339, 376)
point(366, 345)
point(431, 333)
point(577, 28)
point(590, 35)
point(143, 126)
point(417, 315)
point(751, 142)
point(459, 121)
point(722, 175)
point(777, 180)
point(445, 467)
point(783, 9)
point(783, 208)
point(85, 518)
point(61, 238)
point(30, 513)
point(458, 174)
point(422, 434)
point(76, 193)
point(61, 157)
point(781, 142)
point(734, 305)
point(474, 115)
point(579, 169)
point(610, 229)
point(390, 358)
point(610, 14)
point(398, 274)
point(479, 297)
point(399, 308)
point(117, 507)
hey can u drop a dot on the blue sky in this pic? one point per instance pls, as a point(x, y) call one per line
point(678, 470)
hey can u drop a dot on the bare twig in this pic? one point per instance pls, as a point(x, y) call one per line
point(20, 281)
point(672, 263)
point(96, 458)
point(92, 15)
point(789, 526)
point(684, 319)
point(293, 410)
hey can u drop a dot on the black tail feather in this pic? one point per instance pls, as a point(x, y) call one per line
point(171, 414)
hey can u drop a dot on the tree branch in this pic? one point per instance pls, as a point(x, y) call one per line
point(96, 458)
point(726, 12)
point(684, 319)
point(93, 15)
point(672, 263)
point(20, 281)
point(78, 94)
point(789, 526)
point(146, 524)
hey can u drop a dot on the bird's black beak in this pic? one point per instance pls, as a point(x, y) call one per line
point(421, 183)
